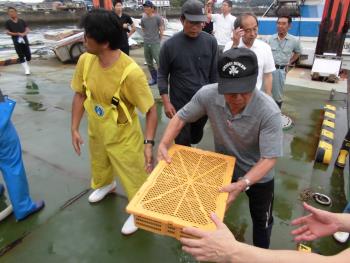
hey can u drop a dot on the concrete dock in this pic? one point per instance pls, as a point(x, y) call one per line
point(70, 229)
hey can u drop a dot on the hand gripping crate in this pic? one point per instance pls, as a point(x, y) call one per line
point(183, 193)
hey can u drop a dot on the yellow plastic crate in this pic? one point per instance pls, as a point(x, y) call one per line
point(184, 192)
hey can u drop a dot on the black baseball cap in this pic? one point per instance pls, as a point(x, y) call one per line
point(238, 71)
point(193, 10)
point(148, 4)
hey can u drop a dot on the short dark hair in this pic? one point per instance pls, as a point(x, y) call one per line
point(240, 18)
point(11, 8)
point(103, 26)
point(117, 1)
point(229, 2)
point(285, 16)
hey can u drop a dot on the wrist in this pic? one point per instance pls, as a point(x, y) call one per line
point(244, 183)
point(240, 252)
point(149, 142)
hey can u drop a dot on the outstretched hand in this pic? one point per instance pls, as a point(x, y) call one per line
point(216, 246)
point(318, 223)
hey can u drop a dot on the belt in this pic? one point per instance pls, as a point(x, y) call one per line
point(280, 66)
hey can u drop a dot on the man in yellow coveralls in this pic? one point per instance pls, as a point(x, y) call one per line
point(109, 85)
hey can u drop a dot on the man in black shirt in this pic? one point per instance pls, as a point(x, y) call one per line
point(126, 22)
point(17, 28)
point(187, 62)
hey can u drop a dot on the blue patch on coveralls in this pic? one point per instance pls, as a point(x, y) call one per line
point(99, 110)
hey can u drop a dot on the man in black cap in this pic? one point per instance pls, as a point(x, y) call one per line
point(187, 62)
point(152, 27)
point(246, 124)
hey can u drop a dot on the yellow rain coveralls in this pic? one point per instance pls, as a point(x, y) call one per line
point(115, 134)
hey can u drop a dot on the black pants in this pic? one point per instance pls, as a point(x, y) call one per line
point(260, 206)
point(191, 133)
point(23, 51)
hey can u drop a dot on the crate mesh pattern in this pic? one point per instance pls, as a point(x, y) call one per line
point(184, 192)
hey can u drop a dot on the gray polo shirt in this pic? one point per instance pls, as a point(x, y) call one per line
point(253, 134)
point(282, 50)
point(150, 26)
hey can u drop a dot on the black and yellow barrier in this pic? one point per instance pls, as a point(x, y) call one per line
point(325, 145)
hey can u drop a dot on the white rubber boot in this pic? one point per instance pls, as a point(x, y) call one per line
point(26, 67)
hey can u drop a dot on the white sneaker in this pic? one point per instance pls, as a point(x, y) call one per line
point(341, 237)
point(129, 226)
point(100, 193)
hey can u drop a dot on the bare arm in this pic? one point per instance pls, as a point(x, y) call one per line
point(250, 254)
point(319, 223)
point(150, 131)
point(221, 246)
point(294, 58)
point(26, 31)
point(173, 129)
point(132, 30)
point(12, 33)
point(258, 171)
point(77, 114)
point(161, 31)
point(268, 83)
point(168, 107)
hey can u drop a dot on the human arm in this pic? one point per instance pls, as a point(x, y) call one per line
point(294, 58)
point(268, 83)
point(162, 79)
point(296, 52)
point(77, 114)
point(132, 30)
point(221, 246)
point(237, 34)
point(9, 29)
point(161, 29)
point(12, 33)
point(150, 131)
point(213, 74)
point(169, 108)
point(319, 223)
point(132, 26)
point(26, 31)
point(172, 130)
point(191, 112)
point(255, 174)
point(208, 9)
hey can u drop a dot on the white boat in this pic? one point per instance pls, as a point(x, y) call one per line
point(70, 48)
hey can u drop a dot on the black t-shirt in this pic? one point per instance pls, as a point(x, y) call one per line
point(208, 27)
point(125, 19)
point(18, 27)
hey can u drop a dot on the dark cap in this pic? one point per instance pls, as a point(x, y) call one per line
point(193, 10)
point(148, 4)
point(238, 71)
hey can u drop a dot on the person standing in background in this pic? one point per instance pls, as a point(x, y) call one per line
point(126, 22)
point(286, 50)
point(223, 23)
point(187, 62)
point(245, 35)
point(208, 25)
point(152, 27)
point(18, 29)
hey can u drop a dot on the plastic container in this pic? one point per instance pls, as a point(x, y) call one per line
point(184, 192)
